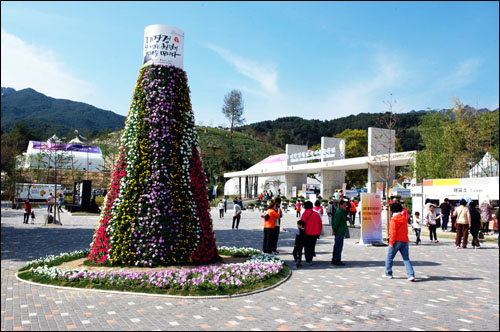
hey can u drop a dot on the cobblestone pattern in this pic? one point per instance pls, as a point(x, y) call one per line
point(455, 289)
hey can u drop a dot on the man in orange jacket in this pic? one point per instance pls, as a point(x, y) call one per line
point(398, 241)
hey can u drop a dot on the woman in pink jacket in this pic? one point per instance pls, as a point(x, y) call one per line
point(313, 228)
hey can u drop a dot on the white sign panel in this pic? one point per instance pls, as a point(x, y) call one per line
point(163, 45)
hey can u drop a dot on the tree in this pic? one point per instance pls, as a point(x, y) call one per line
point(356, 141)
point(455, 140)
point(233, 109)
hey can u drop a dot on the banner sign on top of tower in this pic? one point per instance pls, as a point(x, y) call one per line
point(331, 149)
point(163, 45)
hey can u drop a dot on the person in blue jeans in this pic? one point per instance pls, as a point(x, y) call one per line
point(339, 230)
point(398, 241)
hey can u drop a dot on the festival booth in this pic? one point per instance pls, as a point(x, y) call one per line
point(63, 156)
point(471, 189)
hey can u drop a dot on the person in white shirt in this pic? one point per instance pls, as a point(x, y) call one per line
point(417, 226)
point(221, 209)
point(430, 221)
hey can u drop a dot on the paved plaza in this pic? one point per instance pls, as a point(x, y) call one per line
point(455, 289)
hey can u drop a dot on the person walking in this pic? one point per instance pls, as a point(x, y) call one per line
point(277, 221)
point(270, 216)
point(50, 202)
point(352, 211)
point(430, 222)
point(339, 230)
point(417, 227)
point(60, 203)
point(445, 214)
point(300, 235)
point(221, 209)
point(225, 204)
point(475, 224)
point(297, 209)
point(330, 210)
point(27, 212)
point(485, 208)
point(398, 241)
point(313, 230)
point(236, 213)
point(463, 221)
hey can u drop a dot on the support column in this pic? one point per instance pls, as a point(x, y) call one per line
point(378, 174)
point(330, 180)
point(294, 180)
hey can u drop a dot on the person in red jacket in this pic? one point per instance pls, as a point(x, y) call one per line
point(313, 228)
point(398, 241)
point(353, 209)
point(27, 211)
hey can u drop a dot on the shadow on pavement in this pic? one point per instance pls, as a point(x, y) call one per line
point(26, 244)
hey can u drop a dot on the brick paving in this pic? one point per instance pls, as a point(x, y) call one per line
point(455, 289)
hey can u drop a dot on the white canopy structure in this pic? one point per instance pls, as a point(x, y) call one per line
point(63, 156)
point(488, 166)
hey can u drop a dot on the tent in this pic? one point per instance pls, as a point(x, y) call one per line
point(486, 167)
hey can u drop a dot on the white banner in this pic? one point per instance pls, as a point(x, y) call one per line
point(163, 45)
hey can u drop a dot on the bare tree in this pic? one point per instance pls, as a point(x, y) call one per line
point(233, 109)
point(386, 143)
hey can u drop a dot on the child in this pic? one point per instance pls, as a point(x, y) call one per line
point(297, 208)
point(417, 226)
point(300, 235)
point(32, 217)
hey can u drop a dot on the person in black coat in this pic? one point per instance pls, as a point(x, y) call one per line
point(475, 224)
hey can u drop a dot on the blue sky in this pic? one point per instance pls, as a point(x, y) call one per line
point(316, 60)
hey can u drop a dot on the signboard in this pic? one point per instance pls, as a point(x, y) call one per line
point(371, 218)
point(331, 149)
point(485, 188)
point(66, 147)
point(35, 191)
point(163, 45)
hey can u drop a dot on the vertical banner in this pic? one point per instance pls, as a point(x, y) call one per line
point(214, 193)
point(371, 218)
point(163, 45)
point(380, 189)
point(344, 187)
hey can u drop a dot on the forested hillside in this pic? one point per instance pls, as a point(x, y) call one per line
point(47, 116)
point(295, 130)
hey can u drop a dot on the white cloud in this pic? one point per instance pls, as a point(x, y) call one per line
point(464, 73)
point(366, 93)
point(265, 74)
point(30, 66)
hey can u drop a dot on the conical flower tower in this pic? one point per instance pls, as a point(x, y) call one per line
point(156, 211)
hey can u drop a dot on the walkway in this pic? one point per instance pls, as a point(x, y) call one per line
point(455, 289)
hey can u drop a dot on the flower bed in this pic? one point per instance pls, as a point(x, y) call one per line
point(259, 271)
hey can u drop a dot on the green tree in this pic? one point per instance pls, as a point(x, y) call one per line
point(233, 109)
point(356, 141)
point(455, 140)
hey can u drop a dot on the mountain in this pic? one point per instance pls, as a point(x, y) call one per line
point(47, 116)
point(295, 130)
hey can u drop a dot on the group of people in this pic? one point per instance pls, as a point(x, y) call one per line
point(464, 219)
point(309, 229)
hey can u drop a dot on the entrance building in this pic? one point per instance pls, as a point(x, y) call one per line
point(294, 165)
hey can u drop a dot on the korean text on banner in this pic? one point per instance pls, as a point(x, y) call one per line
point(371, 218)
point(163, 45)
